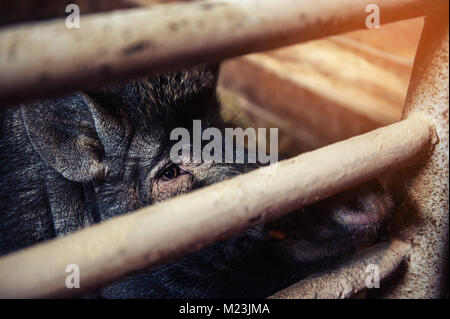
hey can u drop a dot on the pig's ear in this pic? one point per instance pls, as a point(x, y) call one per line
point(69, 134)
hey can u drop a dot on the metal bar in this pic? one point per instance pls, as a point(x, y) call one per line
point(349, 278)
point(175, 227)
point(422, 193)
point(42, 59)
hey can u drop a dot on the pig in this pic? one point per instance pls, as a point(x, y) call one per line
point(70, 162)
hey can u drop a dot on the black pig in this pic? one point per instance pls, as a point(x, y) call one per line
point(73, 161)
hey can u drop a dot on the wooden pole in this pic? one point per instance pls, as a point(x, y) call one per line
point(170, 229)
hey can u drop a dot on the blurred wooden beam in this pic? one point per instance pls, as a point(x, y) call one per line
point(39, 60)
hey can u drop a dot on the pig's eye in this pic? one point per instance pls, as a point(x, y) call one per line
point(170, 181)
point(170, 172)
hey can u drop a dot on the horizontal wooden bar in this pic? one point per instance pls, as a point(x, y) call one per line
point(170, 229)
point(43, 59)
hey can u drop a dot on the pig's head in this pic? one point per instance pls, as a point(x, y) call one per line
point(117, 139)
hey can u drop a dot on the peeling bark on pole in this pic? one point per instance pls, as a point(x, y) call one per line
point(349, 278)
point(422, 193)
point(38, 60)
point(170, 229)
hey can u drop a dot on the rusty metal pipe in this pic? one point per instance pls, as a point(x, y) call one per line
point(170, 229)
point(43, 59)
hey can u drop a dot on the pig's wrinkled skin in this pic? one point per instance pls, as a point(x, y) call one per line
point(70, 162)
